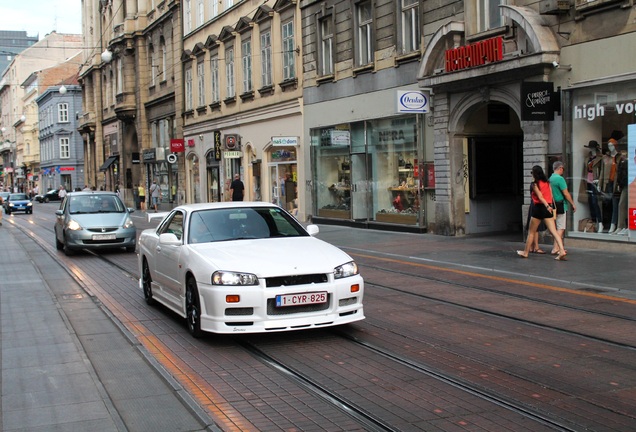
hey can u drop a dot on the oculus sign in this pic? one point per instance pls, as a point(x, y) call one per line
point(413, 101)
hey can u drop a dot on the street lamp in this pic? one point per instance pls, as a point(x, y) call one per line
point(63, 90)
point(107, 56)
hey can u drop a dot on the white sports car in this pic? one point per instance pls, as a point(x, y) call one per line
point(247, 267)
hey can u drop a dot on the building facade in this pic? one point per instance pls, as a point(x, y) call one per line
point(19, 87)
point(368, 157)
point(61, 149)
point(12, 43)
point(524, 84)
point(130, 76)
point(243, 101)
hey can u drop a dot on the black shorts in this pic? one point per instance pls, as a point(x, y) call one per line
point(539, 211)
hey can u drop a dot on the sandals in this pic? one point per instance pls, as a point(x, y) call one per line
point(538, 251)
point(561, 257)
point(521, 255)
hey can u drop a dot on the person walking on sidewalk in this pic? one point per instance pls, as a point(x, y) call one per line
point(155, 193)
point(562, 199)
point(142, 196)
point(542, 211)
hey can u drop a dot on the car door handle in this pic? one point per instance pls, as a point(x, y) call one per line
point(158, 249)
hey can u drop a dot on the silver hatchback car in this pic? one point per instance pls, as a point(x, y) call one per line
point(94, 220)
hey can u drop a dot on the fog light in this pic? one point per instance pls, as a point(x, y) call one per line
point(232, 298)
point(355, 288)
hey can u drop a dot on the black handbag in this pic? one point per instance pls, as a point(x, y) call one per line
point(560, 207)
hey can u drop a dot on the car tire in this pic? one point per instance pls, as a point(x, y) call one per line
point(193, 308)
point(58, 244)
point(7, 211)
point(46, 200)
point(130, 248)
point(146, 283)
point(67, 250)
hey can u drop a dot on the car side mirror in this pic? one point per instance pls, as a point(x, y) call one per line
point(59, 212)
point(169, 239)
point(130, 210)
point(313, 230)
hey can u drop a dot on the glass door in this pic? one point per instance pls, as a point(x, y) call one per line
point(360, 187)
point(280, 174)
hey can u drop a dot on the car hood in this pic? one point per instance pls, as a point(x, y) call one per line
point(19, 202)
point(98, 220)
point(274, 256)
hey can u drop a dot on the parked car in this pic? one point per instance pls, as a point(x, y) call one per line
point(246, 267)
point(18, 202)
point(52, 195)
point(94, 220)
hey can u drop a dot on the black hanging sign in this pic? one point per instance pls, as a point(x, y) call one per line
point(538, 101)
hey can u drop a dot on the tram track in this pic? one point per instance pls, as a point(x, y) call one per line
point(364, 415)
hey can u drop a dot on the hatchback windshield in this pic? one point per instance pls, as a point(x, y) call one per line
point(18, 197)
point(96, 204)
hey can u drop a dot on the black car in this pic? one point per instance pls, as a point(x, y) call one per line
point(52, 195)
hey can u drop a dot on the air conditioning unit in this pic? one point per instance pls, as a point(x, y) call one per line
point(554, 7)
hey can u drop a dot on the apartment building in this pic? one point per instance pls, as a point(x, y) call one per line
point(131, 100)
point(22, 81)
point(243, 100)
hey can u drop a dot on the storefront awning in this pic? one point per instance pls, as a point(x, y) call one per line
point(111, 160)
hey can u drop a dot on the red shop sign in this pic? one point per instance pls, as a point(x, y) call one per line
point(177, 146)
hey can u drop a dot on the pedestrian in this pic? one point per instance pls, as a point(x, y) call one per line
point(534, 248)
point(155, 194)
point(542, 211)
point(562, 200)
point(142, 196)
point(62, 192)
point(86, 188)
point(237, 188)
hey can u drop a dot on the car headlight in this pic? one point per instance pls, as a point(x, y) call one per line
point(233, 278)
point(73, 225)
point(345, 270)
point(129, 223)
point(29, 204)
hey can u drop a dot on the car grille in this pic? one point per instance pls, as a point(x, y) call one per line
point(289, 310)
point(93, 242)
point(102, 230)
point(292, 280)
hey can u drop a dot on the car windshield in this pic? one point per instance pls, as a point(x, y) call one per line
point(18, 197)
point(242, 223)
point(95, 204)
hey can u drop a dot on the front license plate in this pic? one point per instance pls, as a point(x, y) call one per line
point(104, 237)
point(301, 299)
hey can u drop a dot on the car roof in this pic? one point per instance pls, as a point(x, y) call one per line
point(91, 193)
point(225, 205)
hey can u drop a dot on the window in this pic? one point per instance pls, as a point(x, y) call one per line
point(201, 83)
point(229, 72)
point(410, 26)
point(364, 16)
point(164, 59)
point(214, 78)
point(229, 4)
point(62, 113)
point(266, 59)
point(187, 16)
point(326, 46)
point(289, 51)
point(200, 14)
point(65, 148)
point(153, 66)
point(246, 49)
point(214, 8)
point(120, 75)
point(489, 14)
point(188, 89)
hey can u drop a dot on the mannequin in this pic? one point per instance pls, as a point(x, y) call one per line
point(620, 194)
point(592, 174)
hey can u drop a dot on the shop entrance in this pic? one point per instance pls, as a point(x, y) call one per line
point(360, 208)
point(280, 193)
point(493, 152)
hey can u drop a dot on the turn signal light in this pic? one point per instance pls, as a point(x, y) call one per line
point(232, 298)
point(355, 288)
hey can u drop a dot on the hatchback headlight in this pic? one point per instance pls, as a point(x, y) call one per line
point(73, 225)
point(129, 223)
point(345, 270)
point(233, 278)
point(29, 204)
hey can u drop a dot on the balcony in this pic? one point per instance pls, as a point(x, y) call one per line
point(86, 122)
